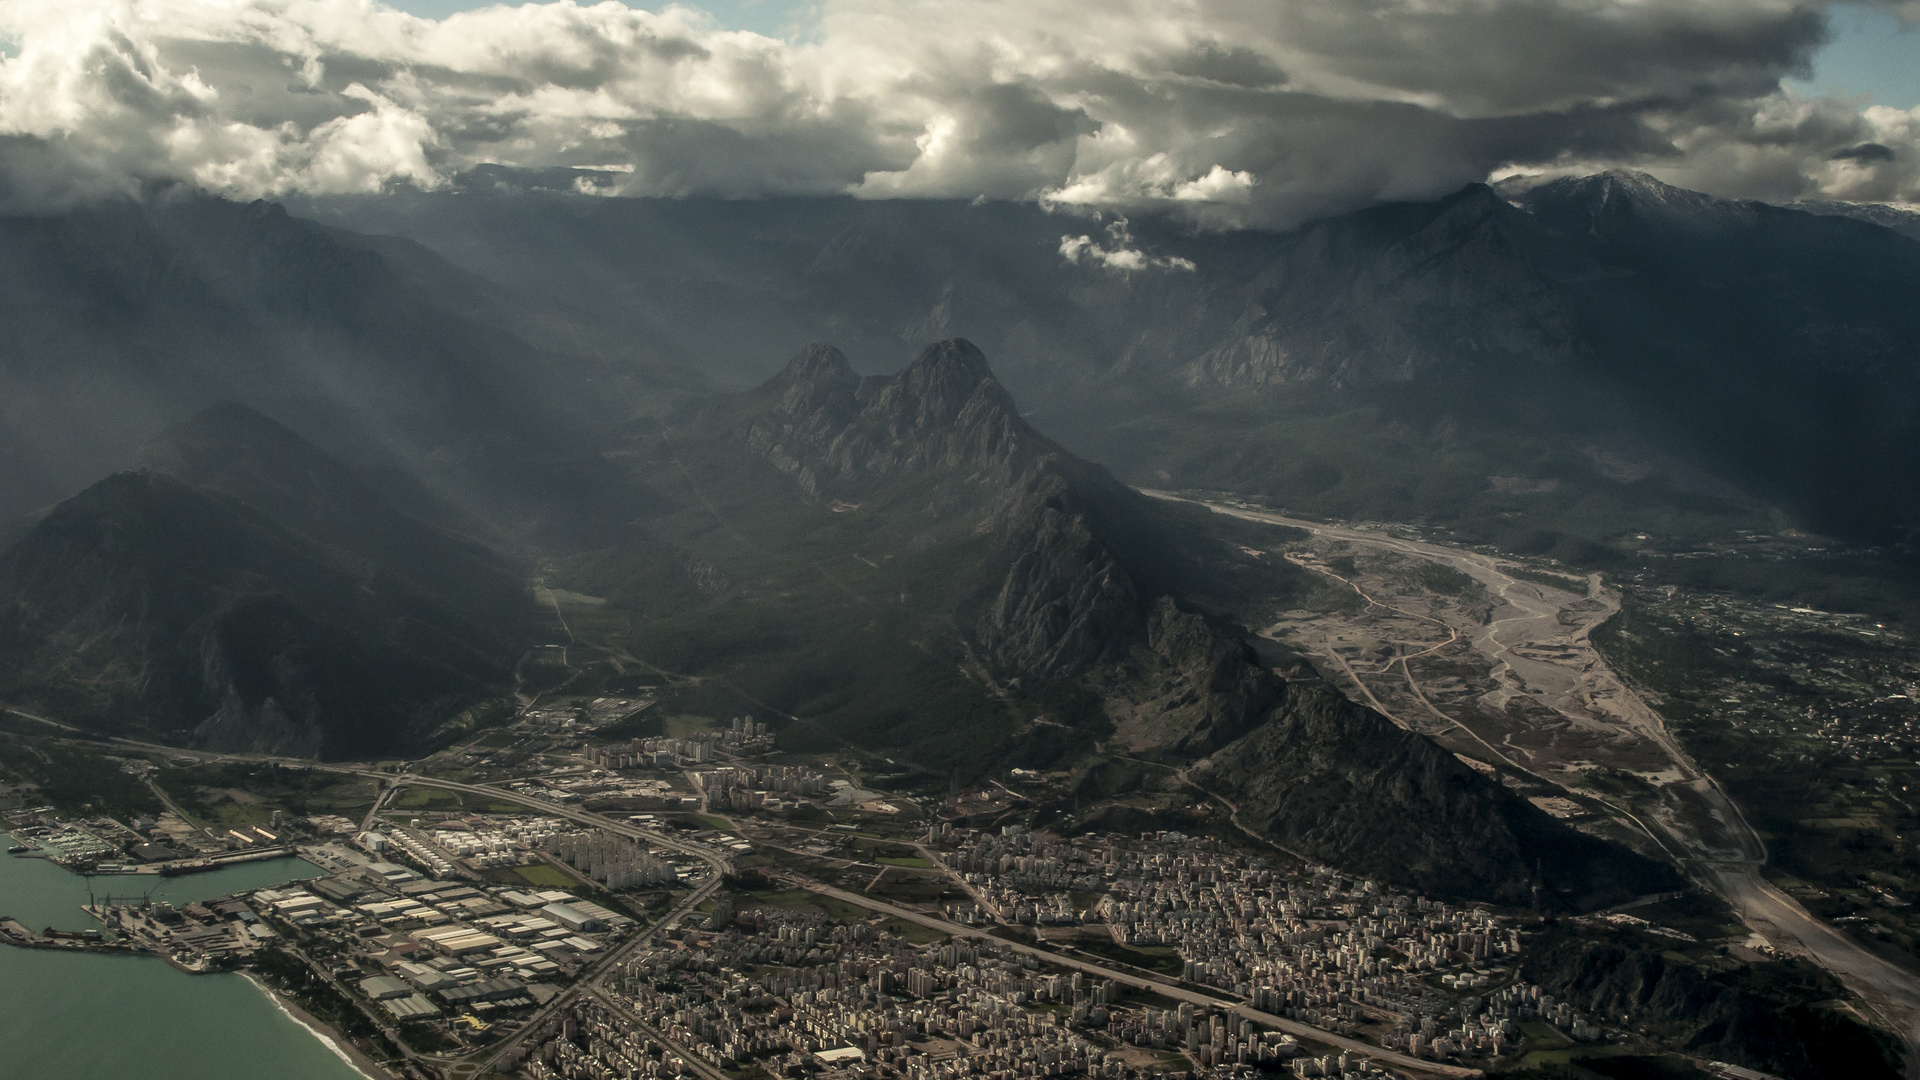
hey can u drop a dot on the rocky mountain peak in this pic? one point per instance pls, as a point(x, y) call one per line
point(938, 385)
point(1603, 201)
point(816, 392)
point(820, 369)
point(945, 409)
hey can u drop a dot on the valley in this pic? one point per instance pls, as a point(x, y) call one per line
point(957, 540)
point(890, 604)
point(1496, 661)
point(490, 566)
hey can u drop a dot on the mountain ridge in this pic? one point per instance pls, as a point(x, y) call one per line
point(147, 604)
point(1690, 352)
point(1066, 581)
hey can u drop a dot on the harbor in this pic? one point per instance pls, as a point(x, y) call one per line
point(77, 1005)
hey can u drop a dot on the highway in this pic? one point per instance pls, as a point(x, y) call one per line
point(593, 981)
point(1587, 691)
point(1159, 985)
point(721, 863)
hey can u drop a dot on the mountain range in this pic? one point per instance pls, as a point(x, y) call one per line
point(912, 567)
point(1546, 367)
point(1644, 358)
point(899, 563)
point(353, 450)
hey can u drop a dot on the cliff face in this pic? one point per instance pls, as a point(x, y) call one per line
point(1224, 689)
point(1064, 601)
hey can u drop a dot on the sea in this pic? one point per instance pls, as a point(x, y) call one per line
point(77, 1016)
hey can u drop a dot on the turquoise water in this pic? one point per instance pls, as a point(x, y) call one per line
point(80, 1017)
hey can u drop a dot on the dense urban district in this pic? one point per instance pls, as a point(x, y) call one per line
point(548, 899)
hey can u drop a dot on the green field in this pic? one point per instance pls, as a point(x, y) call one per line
point(913, 931)
point(804, 900)
point(426, 798)
point(547, 877)
point(1156, 958)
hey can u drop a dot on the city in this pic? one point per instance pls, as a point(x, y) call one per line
point(705, 905)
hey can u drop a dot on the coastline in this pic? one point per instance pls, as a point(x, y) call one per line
point(333, 1040)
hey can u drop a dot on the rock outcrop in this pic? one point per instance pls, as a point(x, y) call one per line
point(943, 411)
point(1334, 780)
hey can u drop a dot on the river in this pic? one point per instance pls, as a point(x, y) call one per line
point(74, 1016)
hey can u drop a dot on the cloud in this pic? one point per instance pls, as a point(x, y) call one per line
point(1226, 111)
point(1120, 256)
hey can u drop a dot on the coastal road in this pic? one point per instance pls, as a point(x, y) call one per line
point(1540, 644)
point(1161, 986)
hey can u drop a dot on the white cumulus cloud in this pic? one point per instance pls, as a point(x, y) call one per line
point(1119, 254)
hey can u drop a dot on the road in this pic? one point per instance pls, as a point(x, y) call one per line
point(1541, 652)
point(173, 807)
point(592, 981)
point(721, 863)
point(693, 1061)
point(1163, 987)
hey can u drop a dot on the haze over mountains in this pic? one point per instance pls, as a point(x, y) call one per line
point(129, 317)
point(1261, 495)
point(1629, 356)
point(1665, 360)
point(245, 592)
point(903, 562)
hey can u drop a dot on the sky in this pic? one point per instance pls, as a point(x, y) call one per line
point(1228, 112)
point(774, 18)
point(1871, 54)
point(1868, 55)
